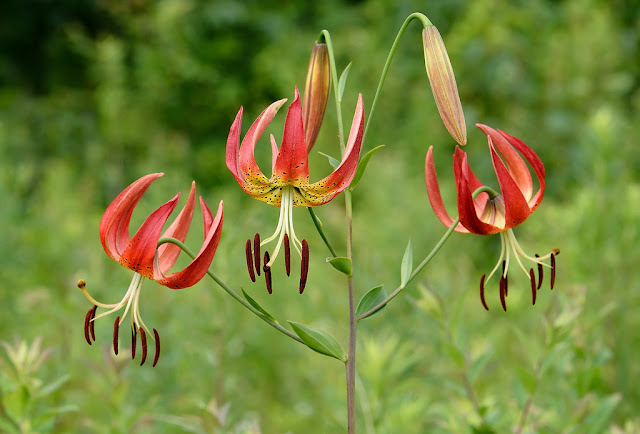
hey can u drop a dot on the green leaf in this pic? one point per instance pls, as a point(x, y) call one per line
point(318, 340)
point(334, 163)
point(362, 166)
point(341, 264)
point(528, 380)
point(50, 388)
point(478, 365)
point(455, 355)
point(371, 299)
point(343, 81)
point(430, 303)
point(407, 265)
point(599, 418)
point(259, 308)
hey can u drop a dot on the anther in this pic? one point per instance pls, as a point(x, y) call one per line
point(134, 341)
point(256, 252)
point(249, 255)
point(503, 293)
point(553, 269)
point(92, 323)
point(287, 255)
point(143, 341)
point(87, 324)
point(304, 265)
point(540, 275)
point(484, 303)
point(534, 290)
point(116, 327)
point(267, 272)
point(506, 279)
point(157, 355)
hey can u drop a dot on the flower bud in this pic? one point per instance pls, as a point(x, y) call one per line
point(443, 84)
point(316, 93)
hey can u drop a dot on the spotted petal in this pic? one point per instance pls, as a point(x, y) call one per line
point(168, 252)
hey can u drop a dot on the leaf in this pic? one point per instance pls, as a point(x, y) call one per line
point(341, 264)
point(430, 303)
point(334, 163)
point(407, 265)
point(51, 387)
point(598, 419)
point(343, 81)
point(318, 341)
point(362, 166)
point(455, 355)
point(478, 365)
point(371, 299)
point(528, 380)
point(259, 308)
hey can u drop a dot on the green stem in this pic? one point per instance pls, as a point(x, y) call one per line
point(231, 292)
point(318, 224)
point(425, 22)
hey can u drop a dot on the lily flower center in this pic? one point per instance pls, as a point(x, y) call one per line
point(130, 302)
point(285, 225)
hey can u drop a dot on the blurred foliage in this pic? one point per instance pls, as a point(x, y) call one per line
point(95, 94)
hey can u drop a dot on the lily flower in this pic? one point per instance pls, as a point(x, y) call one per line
point(289, 184)
point(142, 255)
point(491, 212)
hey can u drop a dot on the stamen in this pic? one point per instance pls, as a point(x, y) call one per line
point(249, 255)
point(540, 274)
point(267, 272)
point(505, 277)
point(256, 252)
point(92, 324)
point(534, 290)
point(503, 293)
point(484, 303)
point(143, 341)
point(157, 356)
point(116, 327)
point(304, 265)
point(134, 341)
point(287, 255)
point(87, 323)
point(553, 269)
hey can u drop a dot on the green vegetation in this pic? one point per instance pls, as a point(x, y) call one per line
point(94, 95)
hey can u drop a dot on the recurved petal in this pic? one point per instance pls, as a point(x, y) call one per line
point(516, 207)
point(141, 251)
point(168, 253)
point(534, 161)
point(292, 163)
point(326, 189)
point(233, 147)
point(466, 207)
point(114, 225)
point(433, 191)
point(196, 270)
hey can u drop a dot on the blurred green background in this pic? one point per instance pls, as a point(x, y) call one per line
point(95, 94)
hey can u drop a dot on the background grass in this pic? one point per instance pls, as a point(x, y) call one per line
point(94, 95)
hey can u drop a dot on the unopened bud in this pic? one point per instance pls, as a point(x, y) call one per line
point(443, 84)
point(316, 93)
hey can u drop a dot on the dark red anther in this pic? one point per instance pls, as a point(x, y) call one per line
point(249, 255)
point(267, 272)
point(143, 341)
point(304, 265)
point(157, 356)
point(256, 252)
point(534, 290)
point(503, 292)
point(88, 324)
point(553, 270)
point(92, 324)
point(287, 255)
point(540, 274)
point(134, 341)
point(116, 328)
point(484, 303)
point(506, 279)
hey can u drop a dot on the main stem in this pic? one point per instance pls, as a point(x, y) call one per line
point(350, 365)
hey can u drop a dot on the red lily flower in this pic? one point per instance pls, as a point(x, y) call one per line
point(289, 185)
point(142, 255)
point(491, 212)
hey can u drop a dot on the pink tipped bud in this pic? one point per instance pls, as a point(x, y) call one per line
point(316, 93)
point(443, 84)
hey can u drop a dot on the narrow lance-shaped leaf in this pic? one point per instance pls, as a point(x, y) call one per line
point(371, 299)
point(259, 308)
point(334, 163)
point(318, 340)
point(343, 81)
point(341, 264)
point(362, 166)
point(407, 265)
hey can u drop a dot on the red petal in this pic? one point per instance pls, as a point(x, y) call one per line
point(141, 251)
point(292, 163)
point(433, 191)
point(114, 226)
point(233, 146)
point(196, 270)
point(168, 253)
point(326, 189)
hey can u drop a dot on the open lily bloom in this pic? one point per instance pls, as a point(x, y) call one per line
point(289, 184)
point(142, 255)
point(491, 212)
